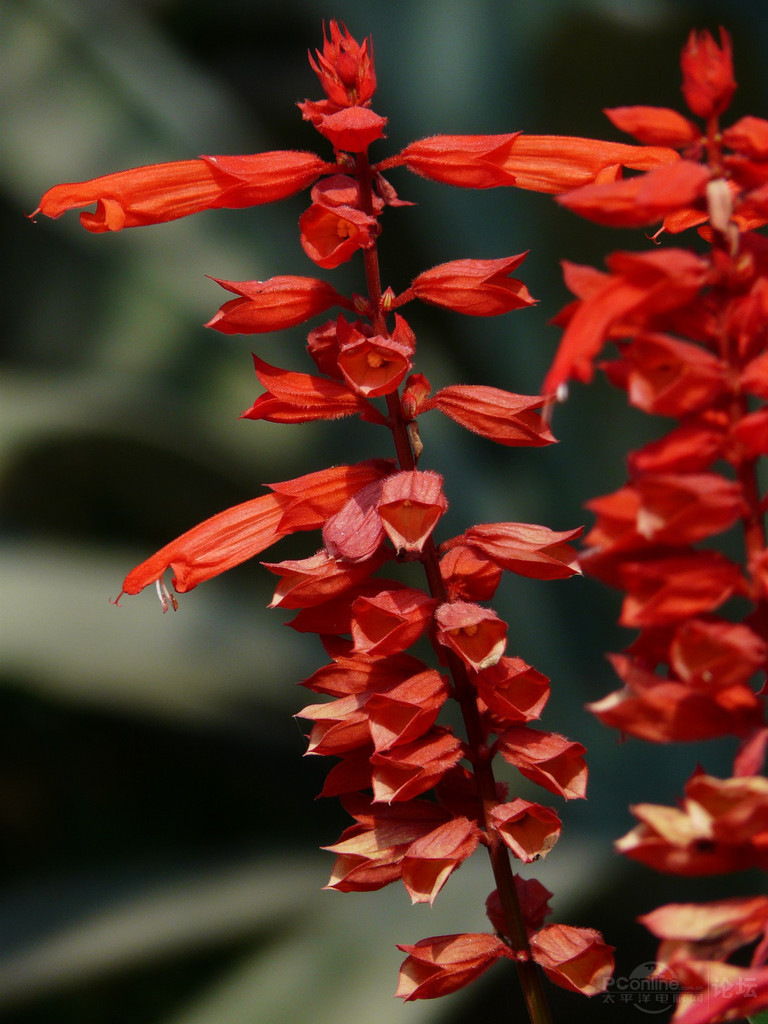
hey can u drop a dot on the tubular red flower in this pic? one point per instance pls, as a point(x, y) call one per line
point(272, 305)
point(542, 163)
point(474, 287)
point(645, 199)
point(161, 192)
point(220, 543)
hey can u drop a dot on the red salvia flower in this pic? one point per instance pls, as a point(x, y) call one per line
point(163, 192)
point(423, 800)
point(708, 82)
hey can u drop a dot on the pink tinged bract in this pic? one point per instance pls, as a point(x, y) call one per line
point(444, 964)
point(476, 634)
point(162, 192)
point(406, 710)
point(528, 829)
point(411, 769)
point(410, 504)
point(390, 622)
point(577, 959)
point(430, 861)
point(549, 760)
point(355, 532)
point(525, 548)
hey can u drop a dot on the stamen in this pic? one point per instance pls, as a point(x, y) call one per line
point(166, 597)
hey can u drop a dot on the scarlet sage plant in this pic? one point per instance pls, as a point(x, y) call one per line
point(690, 330)
point(422, 798)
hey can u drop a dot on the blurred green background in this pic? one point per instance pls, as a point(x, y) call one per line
point(158, 829)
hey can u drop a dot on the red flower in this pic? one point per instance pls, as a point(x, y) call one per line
point(345, 67)
point(163, 192)
point(645, 199)
point(543, 163)
point(272, 305)
point(237, 534)
point(721, 826)
point(708, 82)
point(474, 287)
point(512, 690)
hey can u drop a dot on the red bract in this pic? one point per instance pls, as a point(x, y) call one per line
point(163, 192)
point(410, 506)
point(430, 861)
point(499, 415)
point(574, 958)
point(708, 82)
point(299, 398)
point(476, 634)
point(549, 760)
point(435, 967)
point(271, 305)
point(474, 287)
point(528, 829)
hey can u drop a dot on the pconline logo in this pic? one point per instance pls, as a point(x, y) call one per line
point(643, 992)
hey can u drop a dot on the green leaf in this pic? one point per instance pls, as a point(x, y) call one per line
point(761, 1018)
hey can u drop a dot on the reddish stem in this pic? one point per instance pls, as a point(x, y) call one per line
point(530, 976)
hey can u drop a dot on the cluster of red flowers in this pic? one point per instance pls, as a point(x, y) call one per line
point(422, 797)
point(690, 329)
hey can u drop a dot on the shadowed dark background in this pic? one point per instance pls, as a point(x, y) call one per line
point(159, 833)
